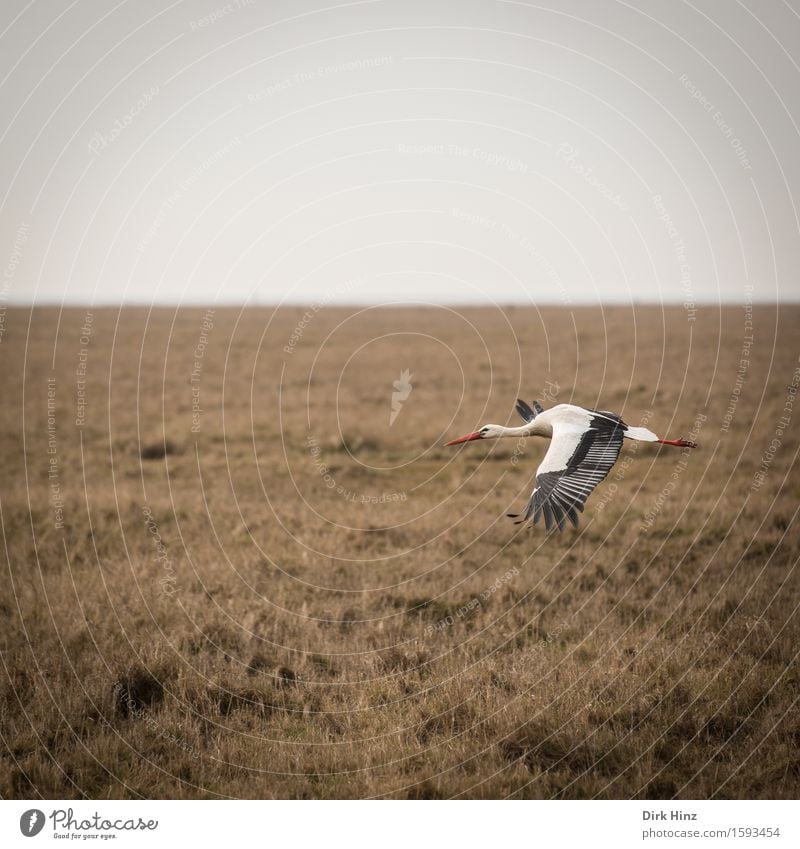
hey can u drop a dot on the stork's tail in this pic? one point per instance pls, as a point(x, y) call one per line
point(645, 435)
point(640, 433)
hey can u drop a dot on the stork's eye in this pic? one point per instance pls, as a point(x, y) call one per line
point(484, 430)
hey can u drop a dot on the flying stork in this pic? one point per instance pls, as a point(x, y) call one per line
point(584, 446)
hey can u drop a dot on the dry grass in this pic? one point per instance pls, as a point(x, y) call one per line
point(215, 620)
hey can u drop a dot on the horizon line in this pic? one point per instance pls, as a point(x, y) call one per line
point(393, 304)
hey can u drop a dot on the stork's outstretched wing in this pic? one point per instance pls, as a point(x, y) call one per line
point(576, 461)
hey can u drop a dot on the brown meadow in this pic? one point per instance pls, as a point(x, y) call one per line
point(229, 575)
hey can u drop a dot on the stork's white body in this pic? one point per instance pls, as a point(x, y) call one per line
point(567, 417)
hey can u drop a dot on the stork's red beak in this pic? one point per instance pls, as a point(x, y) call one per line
point(468, 438)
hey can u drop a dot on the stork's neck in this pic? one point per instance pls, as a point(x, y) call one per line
point(528, 429)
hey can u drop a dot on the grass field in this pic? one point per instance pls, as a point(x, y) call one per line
point(228, 575)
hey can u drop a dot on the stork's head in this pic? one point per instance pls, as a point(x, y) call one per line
point(489, 431)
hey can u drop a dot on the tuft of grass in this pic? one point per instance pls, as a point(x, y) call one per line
point(249, 700)
point(137, 689)
point(158, 450)
point(286, 677)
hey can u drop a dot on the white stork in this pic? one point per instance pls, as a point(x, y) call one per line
point(585, 445)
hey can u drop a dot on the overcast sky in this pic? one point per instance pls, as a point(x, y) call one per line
point(390, 150)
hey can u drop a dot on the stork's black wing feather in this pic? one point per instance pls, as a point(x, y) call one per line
point(527, 413)
point(574, 465)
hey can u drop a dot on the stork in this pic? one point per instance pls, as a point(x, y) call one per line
point(584, 446)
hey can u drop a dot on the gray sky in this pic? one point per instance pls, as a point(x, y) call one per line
point(380, 151)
